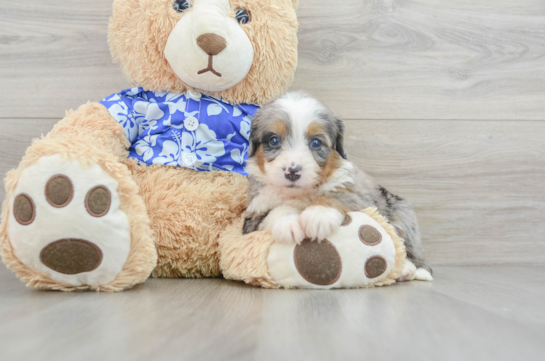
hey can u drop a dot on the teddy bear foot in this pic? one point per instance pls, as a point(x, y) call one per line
point(364, 251)
point(359, 254)
point(65, 222)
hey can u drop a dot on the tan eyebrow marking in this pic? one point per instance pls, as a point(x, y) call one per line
point(315, 128)
point(280, 128)
point(260, 157)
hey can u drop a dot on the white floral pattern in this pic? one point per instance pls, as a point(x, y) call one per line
point(120, 111)
point(154, 122)
point(245, 127)
point(170, 155)
point(144, 147)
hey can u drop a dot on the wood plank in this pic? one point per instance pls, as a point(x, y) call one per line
point(16, 138)
point(54, 57)
point(372, 59)
point(211, 319)
point(425, 59)
point(496, 290)
point(476, 185)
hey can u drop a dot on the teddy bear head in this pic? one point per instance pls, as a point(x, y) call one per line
point(243, 51)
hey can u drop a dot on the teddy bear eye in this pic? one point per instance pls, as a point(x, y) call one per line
point(181, 5)
point(243, 17)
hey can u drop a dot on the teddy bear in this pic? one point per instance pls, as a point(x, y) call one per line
point(151, 181)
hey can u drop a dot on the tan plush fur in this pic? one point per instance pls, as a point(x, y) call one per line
point(398, 243)
point(188, 212)
point(176, 215)
point(139, 31)
point(88, 135)
point(187, 209)
point(245, 257)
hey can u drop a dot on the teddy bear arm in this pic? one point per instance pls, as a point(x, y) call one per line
point(92, 122)
point(244, 257)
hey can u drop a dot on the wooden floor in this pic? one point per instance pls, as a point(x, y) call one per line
point(468, 313)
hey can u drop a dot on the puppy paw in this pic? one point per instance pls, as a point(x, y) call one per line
point(408, 273)
point(288, 230)
point(423, 274)
point(319, 222)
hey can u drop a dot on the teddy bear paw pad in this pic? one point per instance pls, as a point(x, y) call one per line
point(318, 263)
point(358, 254)
point(65, 222)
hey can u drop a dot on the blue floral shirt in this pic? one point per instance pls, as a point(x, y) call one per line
point(191, 130)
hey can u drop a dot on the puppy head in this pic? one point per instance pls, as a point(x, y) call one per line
point(295, 143)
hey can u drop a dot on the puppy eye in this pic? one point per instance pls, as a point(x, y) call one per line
point(243, 17)
point(181, 5)
point(274, 142)
point(316, 143)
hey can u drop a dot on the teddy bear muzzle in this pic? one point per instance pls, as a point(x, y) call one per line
point(208, 49)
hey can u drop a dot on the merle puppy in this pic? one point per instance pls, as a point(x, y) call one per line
point(302, 184)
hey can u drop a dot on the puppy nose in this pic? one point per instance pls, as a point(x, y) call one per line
point(212, 44)
point(293, 173)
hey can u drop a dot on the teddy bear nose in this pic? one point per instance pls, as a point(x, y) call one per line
point(212, 44)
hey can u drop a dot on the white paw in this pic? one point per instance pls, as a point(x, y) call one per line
point(408, 273)
point(65, 222)
point(274, 215)
point(422, 274)
point(287, 230)
point(319, 222)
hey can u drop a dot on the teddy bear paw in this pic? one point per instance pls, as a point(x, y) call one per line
point(65, 222)
point(359, 253)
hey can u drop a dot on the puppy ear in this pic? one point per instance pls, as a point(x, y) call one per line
point(339, 141)
point(254, 138)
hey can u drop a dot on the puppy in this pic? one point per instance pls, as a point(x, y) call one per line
point(301, 183)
